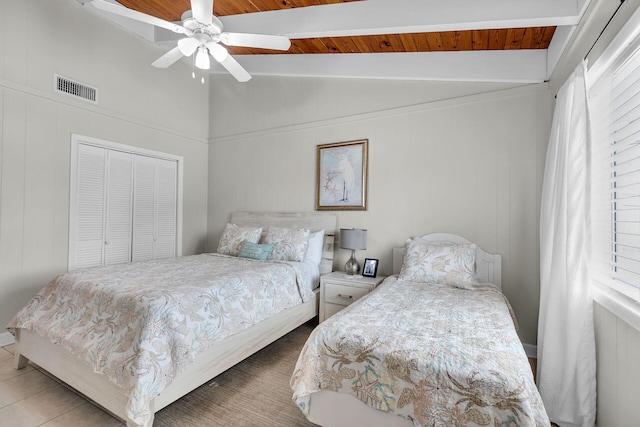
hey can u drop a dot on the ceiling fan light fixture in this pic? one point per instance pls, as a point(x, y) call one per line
point(203, 32)
point(202, 59)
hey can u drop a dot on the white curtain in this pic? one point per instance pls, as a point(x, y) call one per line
point(566, 344)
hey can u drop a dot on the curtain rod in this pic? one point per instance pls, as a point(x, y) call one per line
point(615, 12)
point(605, 28)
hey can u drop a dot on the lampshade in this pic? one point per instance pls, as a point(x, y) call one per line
point(353, 238)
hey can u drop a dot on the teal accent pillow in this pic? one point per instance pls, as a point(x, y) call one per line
point(254, 250)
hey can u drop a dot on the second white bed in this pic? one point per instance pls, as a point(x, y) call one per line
point(421, 353)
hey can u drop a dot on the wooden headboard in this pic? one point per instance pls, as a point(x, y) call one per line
point(488, 266)
point(313, 221)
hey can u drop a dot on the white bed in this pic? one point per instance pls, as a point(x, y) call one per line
point(331, 384)
point(213, 361)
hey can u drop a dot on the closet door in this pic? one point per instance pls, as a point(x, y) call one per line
point(154, 208)
point(166, 208)
point(118, 207)
point(125, 204)
point(87, 234)
point(104, 191)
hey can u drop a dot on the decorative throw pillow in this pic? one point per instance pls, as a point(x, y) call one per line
point(288, 244)
point(233, 236)
point(255, 250)
point(451, 265)
point(314, 248)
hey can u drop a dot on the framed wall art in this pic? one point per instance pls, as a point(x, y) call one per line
point(342, 176)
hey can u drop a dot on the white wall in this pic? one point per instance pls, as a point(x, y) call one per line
point(617, 354)
point(162, 110)
point(271, 103)
point(442, 158)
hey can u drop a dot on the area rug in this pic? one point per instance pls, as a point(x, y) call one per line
point(255, 392)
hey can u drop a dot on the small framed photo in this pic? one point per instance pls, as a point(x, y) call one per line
point(370, 268)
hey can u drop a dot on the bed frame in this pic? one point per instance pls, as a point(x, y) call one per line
point(328, 408)
point(53, 358)
point(488, 266)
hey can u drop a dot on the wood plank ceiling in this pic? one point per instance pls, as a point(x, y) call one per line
point(447, 41)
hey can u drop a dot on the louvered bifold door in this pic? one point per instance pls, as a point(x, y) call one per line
point(123, 204)
point(88, 234)
point(119, 208)
point(144, 208)
point(154, 208)
point(166, 208)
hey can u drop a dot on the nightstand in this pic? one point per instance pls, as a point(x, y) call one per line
point(338, 291)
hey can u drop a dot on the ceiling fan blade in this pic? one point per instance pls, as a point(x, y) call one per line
point(138, 16)
point(263, 41)
point(236, 69)
point(188, 45)
point(168, 58)
point(221, 55)
point(202, 10)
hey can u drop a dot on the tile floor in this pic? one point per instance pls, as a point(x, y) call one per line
point(29, 398)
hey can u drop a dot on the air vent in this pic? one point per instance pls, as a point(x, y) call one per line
point(75, 89)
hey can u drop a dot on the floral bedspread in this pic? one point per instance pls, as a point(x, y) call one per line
point(436, 355)
point(141, 323)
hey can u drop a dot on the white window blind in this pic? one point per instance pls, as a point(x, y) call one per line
point(614, 101)
point(625, 171)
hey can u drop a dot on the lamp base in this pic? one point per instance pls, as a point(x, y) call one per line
point(352, 267)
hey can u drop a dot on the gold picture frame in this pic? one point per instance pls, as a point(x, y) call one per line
point(341, 176)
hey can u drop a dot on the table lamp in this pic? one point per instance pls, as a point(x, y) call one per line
point(353, 239)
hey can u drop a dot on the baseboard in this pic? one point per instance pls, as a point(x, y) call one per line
point(531, 350)
point(6, 338)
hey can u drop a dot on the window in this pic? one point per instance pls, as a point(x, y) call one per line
point(614, 104)
point(625, 171)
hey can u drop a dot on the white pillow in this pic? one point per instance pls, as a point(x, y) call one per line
point(423, 241)
point(233, 236)
point(288, 244)
point(449, 264)
point(314, 248)
point(314, 274)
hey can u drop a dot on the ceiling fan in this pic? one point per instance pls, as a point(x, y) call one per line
point(204, 34)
